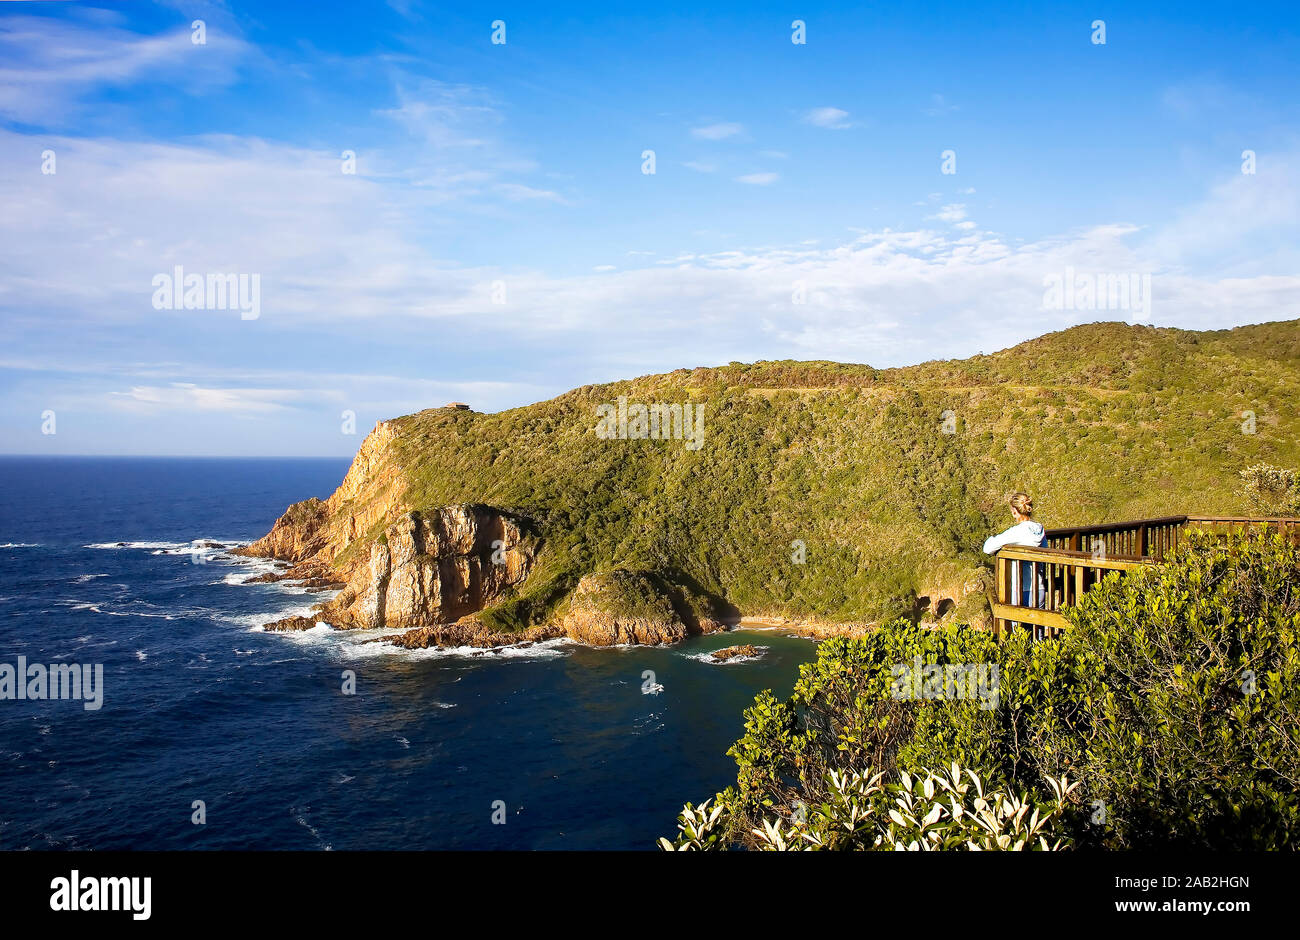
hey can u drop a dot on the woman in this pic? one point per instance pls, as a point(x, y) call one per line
point(1025, 532)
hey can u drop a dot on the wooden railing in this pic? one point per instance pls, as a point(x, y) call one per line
point(1033, 585)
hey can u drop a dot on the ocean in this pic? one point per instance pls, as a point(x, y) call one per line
point(557, 746)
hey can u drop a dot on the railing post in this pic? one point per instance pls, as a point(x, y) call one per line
point(1142, 542)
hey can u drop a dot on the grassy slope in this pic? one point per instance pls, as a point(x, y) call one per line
point(1099, 422)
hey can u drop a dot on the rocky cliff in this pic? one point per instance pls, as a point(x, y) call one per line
point(432, 572)
point(434, 568)
point(819, 492)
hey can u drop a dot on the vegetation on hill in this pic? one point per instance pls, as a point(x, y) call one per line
point(842, 492)
point(1173, 702)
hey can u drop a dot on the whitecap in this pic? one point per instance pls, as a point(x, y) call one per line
point(546, 649)
point(117, 545)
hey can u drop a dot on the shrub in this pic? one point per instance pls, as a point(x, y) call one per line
point(841, 716)
point(1272, 491)
point(1194, 695)
point(1173, 700)
point(927, 812)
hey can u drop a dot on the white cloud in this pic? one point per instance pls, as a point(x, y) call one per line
point(517, 192)
point(344, 256)
point(831, 118)
point(51, 65)
point(186, 396)
point(716, 131)
point(759, 179)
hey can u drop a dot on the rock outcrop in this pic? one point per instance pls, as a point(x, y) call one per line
point(621, 606)
point(373, 494)
point(727, 653)
point(431, 572)
point(468, 631)
point(434, 568)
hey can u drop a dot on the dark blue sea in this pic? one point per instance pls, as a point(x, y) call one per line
point(200, 705)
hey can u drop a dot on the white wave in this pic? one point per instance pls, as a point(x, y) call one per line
point(243, 572)
point(546, 649)
point(83, 578)
point(312, 829)
point(94, 608)
point(254, 623)
point(21, 545)
point(141, 655)
point(117, 545)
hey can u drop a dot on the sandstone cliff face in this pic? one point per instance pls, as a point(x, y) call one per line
point(372, 493)
point(434, 568)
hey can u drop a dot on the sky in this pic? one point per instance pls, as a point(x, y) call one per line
point(455, 202)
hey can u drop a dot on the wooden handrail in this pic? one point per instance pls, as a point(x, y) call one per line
point(1066, 556)
point(1033, 585)
point(1063, 531)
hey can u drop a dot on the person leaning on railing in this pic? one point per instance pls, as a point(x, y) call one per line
point(1025, 532)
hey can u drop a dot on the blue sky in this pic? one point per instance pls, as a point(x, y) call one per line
point(513, 172)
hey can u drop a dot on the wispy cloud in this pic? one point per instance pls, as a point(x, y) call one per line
point(716, 131)
point(951, 213)
point(938, 106)
point(759, 179)
point(185, 396)
point(53, 67)
point(830, 118)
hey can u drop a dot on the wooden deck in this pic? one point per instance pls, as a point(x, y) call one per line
point(1077, 558)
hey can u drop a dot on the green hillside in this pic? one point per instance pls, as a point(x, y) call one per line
point(1100, 422)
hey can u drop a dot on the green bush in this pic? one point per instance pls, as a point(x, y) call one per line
point(1174, 701)
point(1270, 490)
point(1193, 695)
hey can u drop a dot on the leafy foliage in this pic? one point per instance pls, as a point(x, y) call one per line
point(927, 812)
point(1271, 491)
point(1173, 701)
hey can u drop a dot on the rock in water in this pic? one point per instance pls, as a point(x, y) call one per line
point(731, 652)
